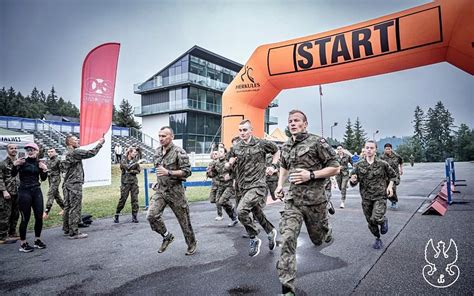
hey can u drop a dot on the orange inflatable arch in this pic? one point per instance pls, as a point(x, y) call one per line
point(435, 32)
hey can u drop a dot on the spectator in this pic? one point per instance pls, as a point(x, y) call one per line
point(118, 153)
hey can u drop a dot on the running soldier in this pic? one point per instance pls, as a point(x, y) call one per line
point(130, 167)
point(271, 175)
point(376, 179)
point(248, 158)
point(343, 177)
point(225, 190)
point(72, 184)
point(309, 161)
point(215, 185)
point(172, 168)
point(396, 162)
point(54, 179)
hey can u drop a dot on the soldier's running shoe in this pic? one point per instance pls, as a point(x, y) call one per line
point(192, 249)
point(233, 223)
point(384, 226)
point(167, 240)
point(254, 248)
point(331, 209)
point(377, 244)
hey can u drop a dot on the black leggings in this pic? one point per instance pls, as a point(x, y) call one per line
point(30, 198)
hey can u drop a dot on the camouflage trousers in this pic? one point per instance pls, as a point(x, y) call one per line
point(177, 202)
point(9, 215)
point(342, 185)
point(253, 201)
point(53, 195)
point(213, 198)
point(374, 211)
point(272, 186)
point(223, 195)
point(125, 190)
point(72, 208)
point(315, 217)
point(394, 197)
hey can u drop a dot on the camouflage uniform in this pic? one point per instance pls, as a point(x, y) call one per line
point(412, 160)
point(169, 191)
point(9, 210)
point(129, 184)
point(343, 175)
point(225, 190)
point(394, 160)
point(305, 202)
point(250, 171)
point(272, 180)
point(54, 178)
point(72, 186)
point(373, 180)
point(214, 186)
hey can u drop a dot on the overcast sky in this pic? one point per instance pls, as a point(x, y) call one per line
point(44, 42)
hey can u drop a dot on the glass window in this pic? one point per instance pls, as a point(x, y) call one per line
point(202, 99)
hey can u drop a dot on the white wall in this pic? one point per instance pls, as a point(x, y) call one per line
point(151, 124)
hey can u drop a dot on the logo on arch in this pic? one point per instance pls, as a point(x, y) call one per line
point(248, 81)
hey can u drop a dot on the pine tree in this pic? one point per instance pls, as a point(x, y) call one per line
point(3, 101)
point(52, 103)
point(418, 138)
point(349, 137)
point(464, 143)
point(125, 116)
point(439, 139)
point(359, 136)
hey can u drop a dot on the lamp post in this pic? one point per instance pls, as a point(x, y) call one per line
point(335, 124)
point(376, 132)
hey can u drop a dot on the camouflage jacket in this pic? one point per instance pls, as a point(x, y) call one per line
point(54, 170)
point(175, 158)
point(344, 163)
point(269, 163)
point(219, 172)
point(72, 165)
point(250, 164)
point(130, 170)
point(210, 174)
point(309, 152)
point(373, 178)
point(394, 160)
point(10, 180)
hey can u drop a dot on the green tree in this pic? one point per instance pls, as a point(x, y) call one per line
point(439, 139)
point(464, 143)
point(3, 101)
point(125, 116)
point(349, 140)
point(405, 149)
point(359, 136)
point(52, 102)
point(418, 138)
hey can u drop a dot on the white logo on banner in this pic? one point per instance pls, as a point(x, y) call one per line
point(441, 271)
point(98, 90)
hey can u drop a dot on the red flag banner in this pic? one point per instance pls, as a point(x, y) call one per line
point(97, 92)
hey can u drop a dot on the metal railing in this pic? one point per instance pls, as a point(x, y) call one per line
point(160, 81)
point(178, 105)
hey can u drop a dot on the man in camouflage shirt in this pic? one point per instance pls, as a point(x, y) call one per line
point(54, 178)
point(309, 161)
point(225, 190)
point(248, 158)
point(9, 211)
point(271, 174)
point(396, 162)
point(72, 184)
point(215, 185)
point(344, 159)
point(172, 168)
point(130, 168)
point(376, 179)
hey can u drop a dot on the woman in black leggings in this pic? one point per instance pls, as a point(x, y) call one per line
point(30, 196)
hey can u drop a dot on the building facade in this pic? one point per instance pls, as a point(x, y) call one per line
point(187, 96)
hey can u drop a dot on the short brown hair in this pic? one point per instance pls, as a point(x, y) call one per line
point(371, 141)
point(167, 127)
point(245, 121)
point(294, 111)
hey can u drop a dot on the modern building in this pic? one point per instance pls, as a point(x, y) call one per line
point(187, 96)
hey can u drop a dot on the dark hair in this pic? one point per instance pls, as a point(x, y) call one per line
point(387, 145)
point(294, 111)
point(167, 127)
point(68, 137)
point(371, 141)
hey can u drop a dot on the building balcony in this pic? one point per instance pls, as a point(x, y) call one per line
point(179, 105)
point(159, 82)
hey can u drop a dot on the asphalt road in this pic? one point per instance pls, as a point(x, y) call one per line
point(122, 259)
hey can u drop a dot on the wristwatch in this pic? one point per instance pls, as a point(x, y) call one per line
point(311, 175)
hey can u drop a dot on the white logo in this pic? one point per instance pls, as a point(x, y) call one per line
point(440, 272)
point(98, 86)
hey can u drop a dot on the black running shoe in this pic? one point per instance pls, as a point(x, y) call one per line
point(26, 248)
point(254, 248)
point(331, 209)
point(39, 244)
point(384, 226)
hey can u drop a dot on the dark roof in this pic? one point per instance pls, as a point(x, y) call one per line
point(207, 55)
point(60, 118)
